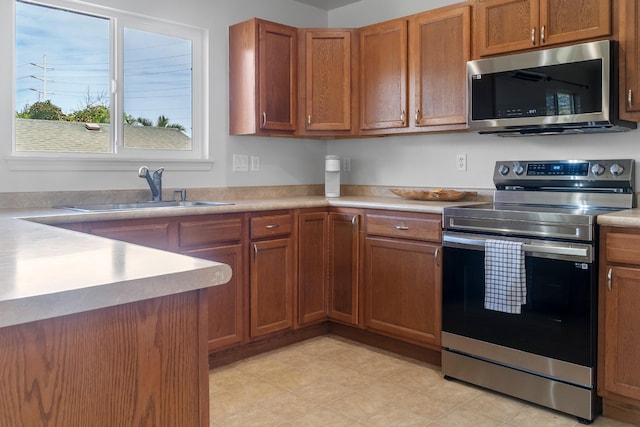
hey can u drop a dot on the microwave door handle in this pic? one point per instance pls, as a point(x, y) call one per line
point(528, 247)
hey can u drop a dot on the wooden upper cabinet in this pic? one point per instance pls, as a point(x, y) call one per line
point(512, 25)
point(262, 78)
point(440, 46)
point(383, 75)
point(629, 14)
point(327, 81)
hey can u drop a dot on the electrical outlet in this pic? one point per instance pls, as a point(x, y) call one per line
point(346, 164)
point(461, 162)
point(255, 163)
point(241, 163)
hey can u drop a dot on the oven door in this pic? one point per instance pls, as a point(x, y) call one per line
point(558, 320)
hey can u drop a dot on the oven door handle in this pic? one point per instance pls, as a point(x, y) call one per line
point(552, 249)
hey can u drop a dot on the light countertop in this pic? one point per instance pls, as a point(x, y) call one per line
point(49, 271)
point(626, 218)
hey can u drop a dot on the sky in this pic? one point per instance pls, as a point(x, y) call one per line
point(67, 55)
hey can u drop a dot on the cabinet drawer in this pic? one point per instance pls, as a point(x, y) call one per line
point(195, 233)
point(271, 225)
point(622, 247)
point(427, 228)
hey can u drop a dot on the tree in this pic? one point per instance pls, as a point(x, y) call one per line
point(92, 114)
point(42, 110)
point(163, 122)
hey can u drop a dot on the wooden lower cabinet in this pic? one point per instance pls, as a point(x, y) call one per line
point(312, 267)
point(226, 320)
point(344, 266)
point(403, 276)
point(619, 324)
point(271, 272)
point(402, 289)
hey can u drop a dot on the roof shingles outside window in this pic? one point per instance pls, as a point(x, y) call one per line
point(74, 137)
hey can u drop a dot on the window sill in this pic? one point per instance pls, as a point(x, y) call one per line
point(64, 164)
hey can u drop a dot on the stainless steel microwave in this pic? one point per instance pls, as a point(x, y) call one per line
point(561, 90)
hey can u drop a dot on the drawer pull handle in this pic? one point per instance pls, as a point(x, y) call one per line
point(436, 256)
point(353, 221)
point(542, 36)
point(272, 226)
point(401, 227)
point(255, 251)
point(630, 98)
point(264, 118)
point(609, 279)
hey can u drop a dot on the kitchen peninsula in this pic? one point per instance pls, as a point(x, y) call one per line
point(99, 332)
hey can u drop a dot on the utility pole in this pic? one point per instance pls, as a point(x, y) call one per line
point(44, 80)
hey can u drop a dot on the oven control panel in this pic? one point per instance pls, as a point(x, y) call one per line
point(534, 174)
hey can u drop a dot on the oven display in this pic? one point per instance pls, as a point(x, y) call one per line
point(558, 169)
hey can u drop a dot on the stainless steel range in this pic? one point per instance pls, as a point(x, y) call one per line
point(520, 281)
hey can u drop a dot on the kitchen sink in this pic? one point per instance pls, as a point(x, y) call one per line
point(143, 205)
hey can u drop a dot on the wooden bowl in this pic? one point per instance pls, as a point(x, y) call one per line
point(437, 194)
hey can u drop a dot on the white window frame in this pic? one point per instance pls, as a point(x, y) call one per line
point(121, 158)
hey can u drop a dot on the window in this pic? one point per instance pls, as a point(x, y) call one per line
point(97, 82)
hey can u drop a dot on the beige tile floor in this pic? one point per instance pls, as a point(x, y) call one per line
point(331, 381)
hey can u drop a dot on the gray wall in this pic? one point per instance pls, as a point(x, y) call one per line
point(425, 160)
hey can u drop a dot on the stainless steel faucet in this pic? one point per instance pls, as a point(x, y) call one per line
point(155, 183)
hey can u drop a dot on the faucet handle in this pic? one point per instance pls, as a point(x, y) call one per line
point(143, 171)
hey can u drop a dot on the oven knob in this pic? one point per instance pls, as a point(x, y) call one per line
point(616, 169)
point(597, 169)
point(503, 170)
point(518, 169)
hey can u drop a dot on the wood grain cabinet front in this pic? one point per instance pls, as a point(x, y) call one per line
point(271, 273)
point(513, 25)
point(629, 21)
point(327, 82)
point(220, 238)
point(403, 276)
point(413, 72)
point(262, 78)
point(619, 324)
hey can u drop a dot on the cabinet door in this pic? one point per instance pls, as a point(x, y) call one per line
point(344, 254)
point(226, 312)
point(403, 295)
point(621, 332)
point(271, 299)
point(506, 25)
point(327, 80)
point(150, 233)
point(312, 267)
point(383, 75)
point(630, 57)
point(277, 59)
point(564, 21)
point(439, 51)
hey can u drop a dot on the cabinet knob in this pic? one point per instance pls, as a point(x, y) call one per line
point(533, 36)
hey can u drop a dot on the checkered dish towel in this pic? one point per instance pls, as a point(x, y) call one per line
point(505, 279)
